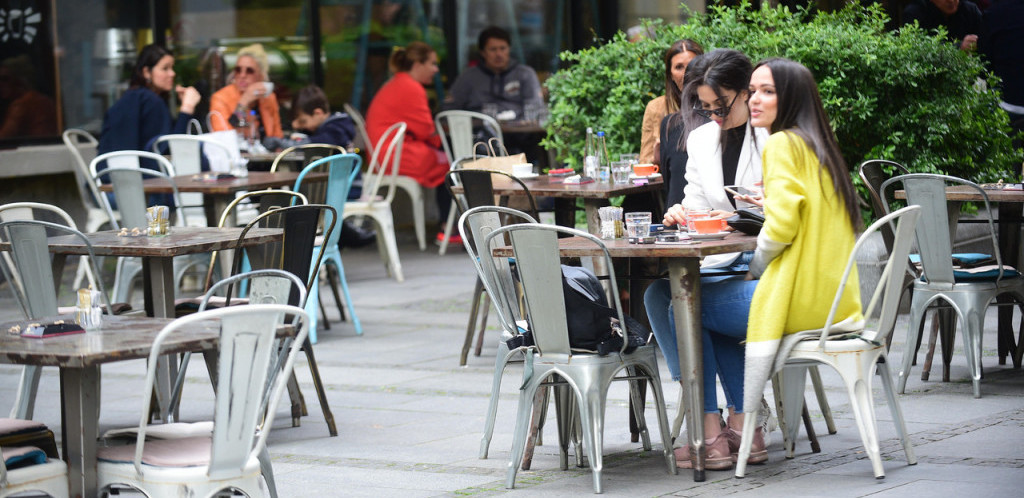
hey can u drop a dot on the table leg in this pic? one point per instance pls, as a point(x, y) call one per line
point(80, 428)
point(1009, 249)
point(159, 286)
point(684, 279)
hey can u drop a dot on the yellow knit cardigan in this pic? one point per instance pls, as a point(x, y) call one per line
point(803, 214)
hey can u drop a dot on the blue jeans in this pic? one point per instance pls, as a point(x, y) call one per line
point(725, 306)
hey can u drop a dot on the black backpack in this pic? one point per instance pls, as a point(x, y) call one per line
point(593, 325)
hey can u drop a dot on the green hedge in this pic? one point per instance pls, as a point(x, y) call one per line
point(901, 95)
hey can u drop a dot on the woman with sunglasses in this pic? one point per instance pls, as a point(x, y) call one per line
point(247, 96)
point(725, 151)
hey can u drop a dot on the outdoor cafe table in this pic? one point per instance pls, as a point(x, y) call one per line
point(684, 279)
point(217, 194)
point(79, 357)
point(1009, 205)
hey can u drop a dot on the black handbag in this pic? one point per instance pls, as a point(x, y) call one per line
point(747, 220)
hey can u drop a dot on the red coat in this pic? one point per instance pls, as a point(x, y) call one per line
point(404, 99)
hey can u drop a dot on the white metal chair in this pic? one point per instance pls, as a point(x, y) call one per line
point(474, 226)
point(187, 153)
point(230, 456)
point(381, 175)
point(125, 173)
point(50, 477)
point(587, 375)
point(82, 146)
point(456, 131)
point(854, 355)
point(403, 183)
point(29, 273)
point(309, 152)
point(968, 292)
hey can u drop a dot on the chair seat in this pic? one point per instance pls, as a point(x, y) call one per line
point(984, 273)
point(177, 452)
point(23, 456)
point(12, 426)
point(175, 430)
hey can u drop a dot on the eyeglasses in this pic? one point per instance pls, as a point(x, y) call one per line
point(720, 112)
point(248, 70)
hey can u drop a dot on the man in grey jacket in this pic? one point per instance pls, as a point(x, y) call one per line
point(500, 80)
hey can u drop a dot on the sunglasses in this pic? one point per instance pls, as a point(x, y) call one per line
point(247, 70)
point(720, 112)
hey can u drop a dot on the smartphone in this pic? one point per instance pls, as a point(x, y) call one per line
point(743, 191)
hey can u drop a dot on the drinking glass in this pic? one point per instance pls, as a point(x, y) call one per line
point(631, 158)
point(620, 171)
point(696, 214)
point(638, 225)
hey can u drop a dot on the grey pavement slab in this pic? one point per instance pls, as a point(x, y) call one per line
point(410, 418)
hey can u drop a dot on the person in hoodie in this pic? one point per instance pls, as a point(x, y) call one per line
point(312, 115)
point(501, 84)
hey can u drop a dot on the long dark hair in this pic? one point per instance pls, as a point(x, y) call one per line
point(671, 90)
point(148, 58)
point(720, 69)
point(799, 112)
point(685, 117)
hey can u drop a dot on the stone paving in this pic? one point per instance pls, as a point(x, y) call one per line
point(410, 419)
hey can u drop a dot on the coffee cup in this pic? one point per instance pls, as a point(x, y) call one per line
point(645, 169)
point(709, 225)
point(268, 88)
point(522, 169)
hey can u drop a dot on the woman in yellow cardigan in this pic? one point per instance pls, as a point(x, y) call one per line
point(811, 218)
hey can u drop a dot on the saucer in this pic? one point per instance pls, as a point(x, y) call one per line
point(708, 236)
point(652, 175)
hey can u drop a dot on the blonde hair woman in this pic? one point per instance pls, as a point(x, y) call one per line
point(247, 96)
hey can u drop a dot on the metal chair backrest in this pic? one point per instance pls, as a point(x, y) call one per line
point(29, 246)
point(247, 351)
point(82, 146)
point(131, 196)
point(294, 253)
point(187, 152)
point(873, 173)
point(456, 131)
point(341, 170)
point(478, 188)
point(364, 137)
point(535, 248)
point(383, 170)
point(890, 285)
point(310, 153)
point(933, 231)
point(41, 212)
point(474, 227)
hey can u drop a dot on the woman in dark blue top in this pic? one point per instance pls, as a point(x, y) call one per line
point(141, 114)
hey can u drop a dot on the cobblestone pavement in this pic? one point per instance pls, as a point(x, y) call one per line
point(410, 419)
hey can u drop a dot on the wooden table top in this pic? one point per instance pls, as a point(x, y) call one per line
point(180, 240)
point(257, 180)
point(551, 186)
point(119, 338)
point(621, 248)
point(963, 193)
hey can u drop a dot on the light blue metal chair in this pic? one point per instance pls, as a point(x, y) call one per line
point(341, 170)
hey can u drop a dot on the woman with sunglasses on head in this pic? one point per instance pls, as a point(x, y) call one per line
point(725, 151)
point(677, 57)
point(811, 219)
point(247, 96)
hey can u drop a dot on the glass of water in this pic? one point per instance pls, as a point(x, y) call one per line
point(638, 225)
point(620, 172)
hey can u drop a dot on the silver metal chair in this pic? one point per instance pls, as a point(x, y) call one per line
point(379, 176)
point(456, 131)
point(968, 292)
point(30, 276)
point(50, 477)
point(187, 153)
point(230, 456)
point(82, 146)
point(474, 226)
point(587, 375)
point(854, 355)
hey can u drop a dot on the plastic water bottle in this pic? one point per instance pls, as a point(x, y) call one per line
point(590, 156)
point(604, 165)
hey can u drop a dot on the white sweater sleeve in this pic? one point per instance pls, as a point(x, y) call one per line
point(767, 250)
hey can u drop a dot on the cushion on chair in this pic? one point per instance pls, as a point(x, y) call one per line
point(967, 259)
point(23, 456)
point(982, 273)
point(184, 452)
point(175, 430)
point(11, 426)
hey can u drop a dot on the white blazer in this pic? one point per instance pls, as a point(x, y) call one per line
point(705, 185)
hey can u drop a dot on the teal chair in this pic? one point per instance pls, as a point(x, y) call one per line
point(341, 170)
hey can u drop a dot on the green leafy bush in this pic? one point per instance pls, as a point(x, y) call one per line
point(903, 95)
